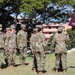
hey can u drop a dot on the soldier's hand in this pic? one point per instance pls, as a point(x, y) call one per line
point(33, 52)
point(5, 48)
point(19, 48)
point(44, 52)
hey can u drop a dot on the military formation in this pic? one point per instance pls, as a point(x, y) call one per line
point(10, 42)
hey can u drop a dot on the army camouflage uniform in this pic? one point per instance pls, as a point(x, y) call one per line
point(59, 42)
point(8, 45)
point(22, 44)
point(38, 45)
point(1, 46)
point(32, 48)
point(13, 45)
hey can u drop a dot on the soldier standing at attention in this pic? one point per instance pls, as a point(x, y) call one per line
point(42, 48)
point(59, 43)
point(13, 45)
point(1, 45)
point(39, 44)
point(32, 48)
point(7, 50)
point(22, 43)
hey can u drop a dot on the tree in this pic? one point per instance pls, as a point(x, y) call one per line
point(71, 43)
point(31, 7)
point(27, 5)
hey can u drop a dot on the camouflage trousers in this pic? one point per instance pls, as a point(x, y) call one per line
point(1, 56)
point(10, 56)
point(34, 62)
point(22, 55)
point(40, 60)
point(61, 59)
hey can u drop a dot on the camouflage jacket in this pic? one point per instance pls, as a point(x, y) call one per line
point(6, 39)
point(12, 41)
point(59, 42)
point(1, 40)
point(22, 39)
point(39, 42)
point(32, 42)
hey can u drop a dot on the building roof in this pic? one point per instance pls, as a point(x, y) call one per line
point(47, 36)
point(50, 30)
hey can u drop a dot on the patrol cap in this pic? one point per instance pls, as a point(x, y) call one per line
point(35, 29)
point(0, 25)
point(38, 26)
point(12, 27)
point(60, 29)
point(8, 28)
point(61, 25)
point(23, 25)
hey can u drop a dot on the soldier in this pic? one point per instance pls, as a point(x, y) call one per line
point(10, 45)
point(59, 43)
point(13, 45)
point(32, 48)
point(38, 45)
point(1, 45)
point(7, 50)
point(22, 43)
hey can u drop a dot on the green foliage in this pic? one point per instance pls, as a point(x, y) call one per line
point(63, 2)
point(71, 43)
point(1, 1)
point(27, 5)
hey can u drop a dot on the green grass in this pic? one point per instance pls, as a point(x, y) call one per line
point(50, 63)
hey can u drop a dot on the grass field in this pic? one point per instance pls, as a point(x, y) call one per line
point(50, 61)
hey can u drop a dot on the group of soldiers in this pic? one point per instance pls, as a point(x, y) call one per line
point(10, 41)
point(59, 45)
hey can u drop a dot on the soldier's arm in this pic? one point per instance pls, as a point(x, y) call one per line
point(53, 42)
point(44, 42)
point(26, 39)
point(66, 36)
point(15, 41)
point(18, 38)
point(32, 42)
point(6, 41)
point(4, 36)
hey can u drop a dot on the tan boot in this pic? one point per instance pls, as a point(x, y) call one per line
point(10, 66)
point(56, 71)
point(22, 65)
point(64, 71)
point(0, 69)
point(34, 69)
point(40, 73)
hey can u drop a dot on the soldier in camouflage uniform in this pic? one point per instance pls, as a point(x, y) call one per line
point(10, 46)
point(32, 48)
point(7, 50)
point(59, 42)
point(13, 45)
point(1, 45)
point(38, 47)
point(22, 44)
